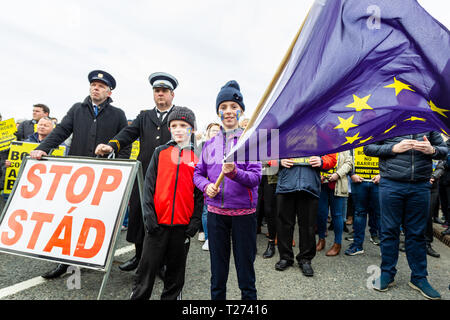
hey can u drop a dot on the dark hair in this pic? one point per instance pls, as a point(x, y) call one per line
point(43, 107)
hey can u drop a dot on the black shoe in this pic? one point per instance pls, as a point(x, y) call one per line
point(55, 273)
point(345, 228)
point(446, 232)
point(283, 264)
point(306, 268)
point(431, 252)
point(351, 236)
point(130, 264)
point(270, 251)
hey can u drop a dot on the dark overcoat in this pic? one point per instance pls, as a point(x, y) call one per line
point(88, 130)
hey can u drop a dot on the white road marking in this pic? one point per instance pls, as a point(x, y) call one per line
point(24, 285)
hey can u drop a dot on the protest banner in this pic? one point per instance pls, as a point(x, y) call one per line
point(7, 130)
point(18, 151)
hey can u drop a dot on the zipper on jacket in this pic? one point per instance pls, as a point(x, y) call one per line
point(223, 181)
point(175, 189)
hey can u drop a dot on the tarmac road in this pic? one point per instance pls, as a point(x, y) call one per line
point(336, 278)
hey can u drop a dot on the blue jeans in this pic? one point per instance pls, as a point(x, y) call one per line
point(240, 231)
point(366, 202)
point(336, 204)
point(205, 220)
point(405, 203)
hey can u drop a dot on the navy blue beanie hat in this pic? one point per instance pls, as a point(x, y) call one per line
point(230, 92)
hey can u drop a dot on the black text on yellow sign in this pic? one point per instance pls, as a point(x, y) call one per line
point(365, 167)
point(7, 130)
point(17, 152)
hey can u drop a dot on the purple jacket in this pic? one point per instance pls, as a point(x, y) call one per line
point(240, 192)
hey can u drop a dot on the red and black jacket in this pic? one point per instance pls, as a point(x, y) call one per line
point(170, 196)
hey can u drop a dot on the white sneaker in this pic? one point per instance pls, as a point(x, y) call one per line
point(205, 246)
point(201, 236)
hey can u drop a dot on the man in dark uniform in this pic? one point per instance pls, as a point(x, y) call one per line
point(150, 126)
point(91, 122)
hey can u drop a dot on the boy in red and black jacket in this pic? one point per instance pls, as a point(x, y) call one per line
point(172, 208)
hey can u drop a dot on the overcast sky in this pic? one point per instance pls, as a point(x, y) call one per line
point(49, 46)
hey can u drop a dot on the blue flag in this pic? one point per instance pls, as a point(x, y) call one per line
point(361, 71)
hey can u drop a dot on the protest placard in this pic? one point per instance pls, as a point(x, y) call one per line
point(135, 148)
point(18, 151)
point(7, 130)
point(365, 167)
point(67, 210)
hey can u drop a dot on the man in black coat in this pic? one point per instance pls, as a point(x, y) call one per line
point(91, 122)
point(150, 126)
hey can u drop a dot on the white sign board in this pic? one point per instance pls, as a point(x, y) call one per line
point(67, 210)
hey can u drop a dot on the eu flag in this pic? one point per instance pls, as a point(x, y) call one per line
point(361, 71)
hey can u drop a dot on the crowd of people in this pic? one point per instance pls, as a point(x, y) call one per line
point(226, 204)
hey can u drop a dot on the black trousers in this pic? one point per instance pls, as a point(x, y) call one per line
point(303, 206)
point(434, 211)
point(169, 245)
point(444, 196)
point(267, 207)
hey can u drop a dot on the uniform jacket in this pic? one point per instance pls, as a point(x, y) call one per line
point(240, 192)
point(411, 165)
point(88, 130)
point(150, 131)
point(170, 196)
point(304, 178)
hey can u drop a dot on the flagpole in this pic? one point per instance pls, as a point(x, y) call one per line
point(269, 89)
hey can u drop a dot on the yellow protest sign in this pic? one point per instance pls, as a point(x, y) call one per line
point(365, 167)
point(135, 150)
point(17, 151)
point(7, 130)
point(301, 161)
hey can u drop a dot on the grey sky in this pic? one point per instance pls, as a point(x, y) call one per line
point(48, 47)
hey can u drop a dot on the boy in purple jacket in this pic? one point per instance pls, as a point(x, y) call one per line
point(232, 206)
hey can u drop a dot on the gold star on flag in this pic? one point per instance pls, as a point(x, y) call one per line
point(390, 129)
point(445, 132)
point(365, 140)
point(351, 140)
point(438, 110)
point(399, 86)
point(346, 124)
point(360, 103)
point(415, 119)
